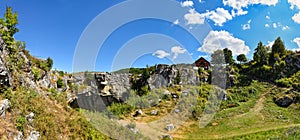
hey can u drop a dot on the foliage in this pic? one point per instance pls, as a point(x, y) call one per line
point(261, 55)
point(241, 58)
point(10, 21)
point(36, 73)
point(20, 123)
point(278, 51)
point(60, 83)
point(228, 56)
point(291, 82)
point(120, 109)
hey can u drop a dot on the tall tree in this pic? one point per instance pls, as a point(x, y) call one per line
point(261, 54)
point(278, 51)
point(228, 56)
point(278, 47)
point(11, 21)
point(241, 58)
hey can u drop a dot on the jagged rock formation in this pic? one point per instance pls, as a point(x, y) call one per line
point(4, 105)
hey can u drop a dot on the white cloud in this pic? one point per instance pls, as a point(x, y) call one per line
point(285, 28)
point(270, 43)
point(294, 3)
point(238, 5)
point(160, 54)
point(297, 41)
point(274, 25)
point(194, 17)
point(187, 3)
point(247, 26)
point(176, 50)
point(267, 25)
point(268, 17)
point(176, 22)
point(296, 18)
point(222, 39)
point(219, 16)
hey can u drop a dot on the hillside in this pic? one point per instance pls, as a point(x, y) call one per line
point(254, 99)
point(33, 97)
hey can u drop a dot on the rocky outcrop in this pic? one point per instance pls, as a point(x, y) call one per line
point(34, 135)
point(166, 75)
point(285, 101)
point(189, 76)
point(119, 85)
point(4, 105)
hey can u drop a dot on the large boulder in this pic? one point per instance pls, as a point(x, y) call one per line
point(284, 101)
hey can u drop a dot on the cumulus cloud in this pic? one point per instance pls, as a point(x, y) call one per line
point(194, 17)
point(296, 18)
point(247, 26)
point(297, 41)
point(161, 54)
point(187, 3)
point(239, 5)
point(222, 39)
point(294, 3)
point(219, 16)
point(176, 50)
point(267, 25)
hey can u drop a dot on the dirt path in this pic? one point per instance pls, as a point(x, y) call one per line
point(145, 129)
point(259, 104)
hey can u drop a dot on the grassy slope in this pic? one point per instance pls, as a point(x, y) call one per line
point(256, 118)
point(53, 118)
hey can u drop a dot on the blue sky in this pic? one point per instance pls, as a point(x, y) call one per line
point(168, 32)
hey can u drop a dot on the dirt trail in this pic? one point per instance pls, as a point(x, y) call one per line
point(145, 129)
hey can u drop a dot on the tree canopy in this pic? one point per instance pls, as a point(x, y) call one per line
point(241, 58)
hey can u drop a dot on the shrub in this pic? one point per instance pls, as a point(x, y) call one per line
point(120, 109)
point(20, 123)
point(60, 83)
point(36, 73)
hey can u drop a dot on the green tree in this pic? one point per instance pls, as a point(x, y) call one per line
point(261, 54)
point(278, 51)
point(241, 58)
point(49, 63)
point(11, 21)
point(278, 47)
point(228, 56)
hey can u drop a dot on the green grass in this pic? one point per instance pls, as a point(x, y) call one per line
point(244, 122)
point(53, 119)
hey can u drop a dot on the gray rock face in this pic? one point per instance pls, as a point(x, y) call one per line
point(164, 76)
point(4, 105)
point(120, 85)
point(34, 135)
point(189, 76)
